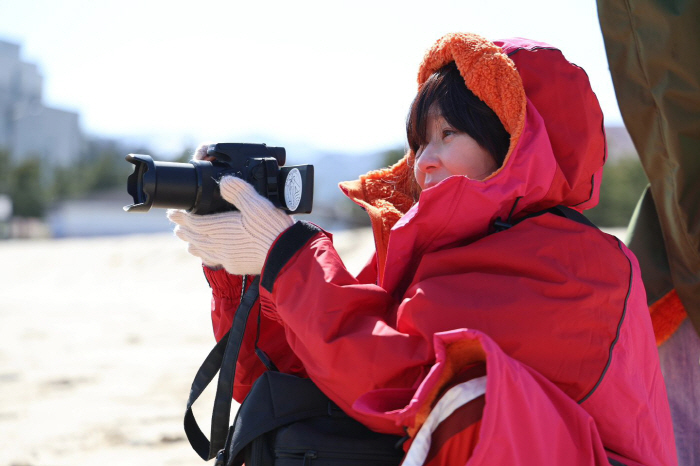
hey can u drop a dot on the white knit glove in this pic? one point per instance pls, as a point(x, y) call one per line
point(237, 240)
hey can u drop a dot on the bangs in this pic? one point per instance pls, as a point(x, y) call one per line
point(417, 121)
point(446, 94)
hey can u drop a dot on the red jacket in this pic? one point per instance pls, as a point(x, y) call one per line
point(556, 309)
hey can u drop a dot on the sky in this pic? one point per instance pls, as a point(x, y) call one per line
point(324, 75)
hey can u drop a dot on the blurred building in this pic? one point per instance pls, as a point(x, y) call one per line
point(28, 127)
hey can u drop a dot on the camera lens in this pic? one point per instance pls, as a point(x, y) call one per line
point(161, 184)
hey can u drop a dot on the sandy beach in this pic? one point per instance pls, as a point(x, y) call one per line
point(99, 341)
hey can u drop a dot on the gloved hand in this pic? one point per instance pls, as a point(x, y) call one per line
point(237, 240)
point(201, 152)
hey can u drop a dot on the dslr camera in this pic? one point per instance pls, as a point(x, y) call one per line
point(194, 186)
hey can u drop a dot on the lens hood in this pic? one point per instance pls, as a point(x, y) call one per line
point(141, 184)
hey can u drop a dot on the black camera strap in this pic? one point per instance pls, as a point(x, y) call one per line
point(221, 359)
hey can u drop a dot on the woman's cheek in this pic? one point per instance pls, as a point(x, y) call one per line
point(419, 176)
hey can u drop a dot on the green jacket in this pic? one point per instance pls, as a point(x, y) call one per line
point(653, 50)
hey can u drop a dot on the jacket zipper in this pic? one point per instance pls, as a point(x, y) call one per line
point(308, 455)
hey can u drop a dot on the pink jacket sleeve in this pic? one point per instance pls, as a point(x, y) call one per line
point(332, 321)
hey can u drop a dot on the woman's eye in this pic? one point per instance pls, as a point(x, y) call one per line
point(447, 132)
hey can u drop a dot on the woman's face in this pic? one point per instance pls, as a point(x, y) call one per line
point(449, 152)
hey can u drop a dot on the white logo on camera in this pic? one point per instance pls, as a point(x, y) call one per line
point(292, 189)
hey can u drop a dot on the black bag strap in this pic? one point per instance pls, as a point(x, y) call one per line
point(222, 358)
point(571, 214)
point(560, 210)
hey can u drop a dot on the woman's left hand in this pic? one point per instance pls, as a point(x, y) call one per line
point(237, 240)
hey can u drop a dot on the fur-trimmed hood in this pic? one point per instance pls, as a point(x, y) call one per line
point(556, 154)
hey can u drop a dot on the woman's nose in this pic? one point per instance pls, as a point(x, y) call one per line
point(427, 159)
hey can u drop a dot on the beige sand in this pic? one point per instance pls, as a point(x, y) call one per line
point(99, 341)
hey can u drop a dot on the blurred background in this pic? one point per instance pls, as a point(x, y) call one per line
point(84, 83)
point(104, 317)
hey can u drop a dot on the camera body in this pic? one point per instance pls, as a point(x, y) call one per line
point(194, 186)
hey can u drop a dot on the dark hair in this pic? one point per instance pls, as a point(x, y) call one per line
point(446, 91)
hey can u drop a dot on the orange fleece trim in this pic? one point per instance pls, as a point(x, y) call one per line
point(487, 72)
point(667, 314)
point(387, 194)
point(460, 355)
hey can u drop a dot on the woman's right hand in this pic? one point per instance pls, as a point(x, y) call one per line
point(201, 153)
point(237, 240)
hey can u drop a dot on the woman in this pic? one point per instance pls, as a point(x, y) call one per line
point(471, 272)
